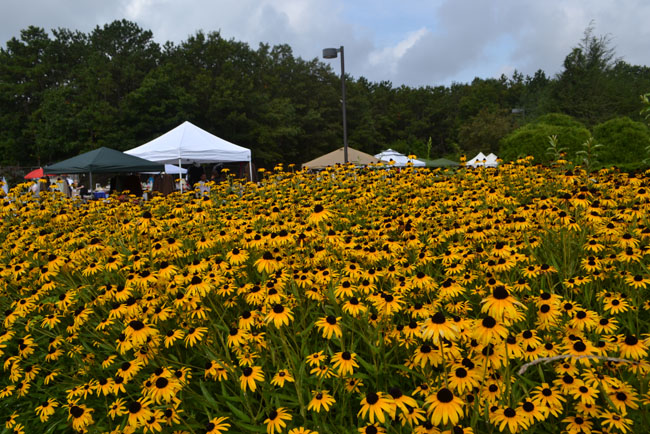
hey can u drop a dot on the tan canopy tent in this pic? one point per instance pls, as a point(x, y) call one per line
point(355, 157)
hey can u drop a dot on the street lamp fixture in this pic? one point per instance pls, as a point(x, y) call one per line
point(331, 53)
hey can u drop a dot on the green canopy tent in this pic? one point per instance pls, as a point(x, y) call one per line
point(441, 162)
point(103, 160)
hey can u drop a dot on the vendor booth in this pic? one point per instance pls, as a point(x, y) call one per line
point(189, 144)
point(398, 159)
point(103, 160)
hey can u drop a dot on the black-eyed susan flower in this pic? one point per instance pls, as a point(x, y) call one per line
point(267, 263)
point(489, 330)
point(237, 337)
point(510, 418)
point(329, 326)
point(624, 399)
point(139, 411)
point(279, 315)
point(80, 416)
point(413, 416)
point(319, 214)
point(500, 303)
point(281, 377)
point(354, 307)
point(172, 336)
point(237, 256)
point(616, 421)
point(217, 425)
point(46, 409)
point(577, 424)
point(138, 332)
point(532, 412)
point(164, 389)
point(444, 407)
point(585, 393)
point(250, 376)
point(401, 401)
point(372, 428)
point(129, 369)
point(353, 385)
point(316, 359)
point(462, 379)
point(637, 281)
point(322, 371)
point(344, 363)
point(632, 348)
point(320, 399)
point(117, 408)
point(548, 397)
point(276, 420)
point(374, 405)
point(438, 327)
point(194, 335)
point(301, 430)
point(427, 354)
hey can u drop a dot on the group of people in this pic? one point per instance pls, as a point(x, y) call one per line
point(68, 187)
point(162, 183)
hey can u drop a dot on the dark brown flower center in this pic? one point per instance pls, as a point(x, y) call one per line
point(489, 322)
point(438, 318)
point(372, 398)
point(76, 412)
point(444, 395)
point(500, 292)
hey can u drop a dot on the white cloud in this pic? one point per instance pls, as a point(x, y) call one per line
point(389, 57)
point(419, 42)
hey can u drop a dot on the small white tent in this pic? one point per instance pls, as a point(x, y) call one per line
point(481, 160)
point(187, 144)
point(400, 160)
point(491, 160)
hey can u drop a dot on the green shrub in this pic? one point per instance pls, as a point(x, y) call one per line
point(532, 139)
point(558, 119)
point(624, 141)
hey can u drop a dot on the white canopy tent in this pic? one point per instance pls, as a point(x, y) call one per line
point(187, 144)
point(400, 160)
point(491, 160)
point(171, 169)
point(482, 160)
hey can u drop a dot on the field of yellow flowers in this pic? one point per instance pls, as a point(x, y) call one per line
point(414, 301)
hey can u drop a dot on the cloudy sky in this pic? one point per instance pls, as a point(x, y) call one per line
point(411, 42)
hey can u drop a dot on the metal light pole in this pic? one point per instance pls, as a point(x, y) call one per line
point(330, 53)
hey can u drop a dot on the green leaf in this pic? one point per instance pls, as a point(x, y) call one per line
point(207, 395)
point(237, 412)
point(367, 366)
point(250, 428)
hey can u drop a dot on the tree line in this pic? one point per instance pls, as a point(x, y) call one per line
point(68, 92)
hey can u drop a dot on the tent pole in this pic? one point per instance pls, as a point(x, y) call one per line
point(91, 181)
point(180, 174)
point(250, 168)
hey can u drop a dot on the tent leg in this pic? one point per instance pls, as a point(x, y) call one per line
point(180, 175)
point(250, 168)
point(91, 182)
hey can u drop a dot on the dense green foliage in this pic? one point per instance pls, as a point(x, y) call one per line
point(624, 141)
point(532, 139)
point(67, 92)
